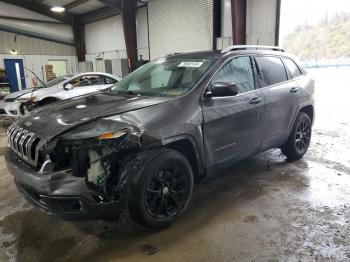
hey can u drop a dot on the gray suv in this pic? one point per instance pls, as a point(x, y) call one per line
point(140, 145)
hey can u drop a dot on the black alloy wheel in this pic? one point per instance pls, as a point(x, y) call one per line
point(299, 138)
point(161, 189)
point(302, 136)
point(166, 192)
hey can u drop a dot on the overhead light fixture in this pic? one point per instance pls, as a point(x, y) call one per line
point(13, 51)
point(57, 9)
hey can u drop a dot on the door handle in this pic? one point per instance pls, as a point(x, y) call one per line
point(255, 100)
point(294, 90)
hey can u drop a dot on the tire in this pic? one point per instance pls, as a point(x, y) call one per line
point(161, 189)
point(299, 138)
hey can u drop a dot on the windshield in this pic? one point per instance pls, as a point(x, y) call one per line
point(57, 80)
point(170, 76)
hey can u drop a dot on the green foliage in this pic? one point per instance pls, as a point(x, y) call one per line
point(328, 40)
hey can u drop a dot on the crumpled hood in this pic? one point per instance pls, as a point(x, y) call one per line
point(43, 91)
point(18, 93)
point(58, 118)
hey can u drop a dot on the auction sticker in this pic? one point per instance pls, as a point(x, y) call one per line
point(190, 64)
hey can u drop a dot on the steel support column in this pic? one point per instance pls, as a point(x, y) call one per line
point(278, 17)
point(216, 21)
point(79, 38)
point(238, 14)
point(129, 28)
point(128, 12)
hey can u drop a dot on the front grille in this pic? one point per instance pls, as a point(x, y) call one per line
point(24, 144)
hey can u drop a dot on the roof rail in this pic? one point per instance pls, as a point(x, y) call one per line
point(249, 47)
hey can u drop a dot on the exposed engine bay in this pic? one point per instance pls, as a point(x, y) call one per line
point(99, 161)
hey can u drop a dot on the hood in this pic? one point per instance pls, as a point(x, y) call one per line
point(19, 93)
point(42, 91)
point(51, 121)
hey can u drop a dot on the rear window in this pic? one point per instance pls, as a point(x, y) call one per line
point(292, 67)
point(271, 69)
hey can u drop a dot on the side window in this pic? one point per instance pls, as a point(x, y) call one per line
point(109, 80)
point(292, 67)
point(272, 70)
point(88, 80)
point(239, 71)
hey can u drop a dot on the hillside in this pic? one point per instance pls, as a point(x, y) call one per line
point(329, 40)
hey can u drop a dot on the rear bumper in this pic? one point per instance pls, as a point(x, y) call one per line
point(60, 194)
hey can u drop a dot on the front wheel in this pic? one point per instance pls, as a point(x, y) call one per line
point(299, 138)
point(162, 190)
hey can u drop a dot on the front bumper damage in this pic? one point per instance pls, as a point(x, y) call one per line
point(60, 193)
point(9, 109)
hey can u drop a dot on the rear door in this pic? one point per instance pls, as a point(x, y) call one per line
point(281, 98)
point(232, 124)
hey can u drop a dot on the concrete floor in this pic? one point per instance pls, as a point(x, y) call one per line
point(264, 209)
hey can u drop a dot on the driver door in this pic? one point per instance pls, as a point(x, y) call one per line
point(233, 124)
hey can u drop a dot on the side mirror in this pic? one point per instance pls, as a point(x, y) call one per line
point(222, 89)
point(68, 86)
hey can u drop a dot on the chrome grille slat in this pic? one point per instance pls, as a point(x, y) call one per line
point(14, 133)
point(23, 143)
point(29, 145)
point(15, 139)
point(20, 143)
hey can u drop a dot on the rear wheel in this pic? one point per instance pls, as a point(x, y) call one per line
point(299, 138)
point(162, 190)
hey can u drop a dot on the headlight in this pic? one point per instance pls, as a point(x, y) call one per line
point(111, 135)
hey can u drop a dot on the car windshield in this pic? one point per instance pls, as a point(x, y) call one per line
point(57, 80)
point(169, 76)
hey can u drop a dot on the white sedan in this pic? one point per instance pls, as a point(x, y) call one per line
point(18, 103)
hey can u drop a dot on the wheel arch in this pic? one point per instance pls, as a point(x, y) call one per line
point(187, 147)
point(309, 110)
point(48, 100)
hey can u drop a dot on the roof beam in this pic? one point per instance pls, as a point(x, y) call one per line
point(74, 4)
point(28, 19)
point(99, 14)
point(114, 3)
point(42, 9)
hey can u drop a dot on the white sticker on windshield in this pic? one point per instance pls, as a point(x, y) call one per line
point(190, 64)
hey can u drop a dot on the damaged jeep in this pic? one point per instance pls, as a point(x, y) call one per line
point(140, 145)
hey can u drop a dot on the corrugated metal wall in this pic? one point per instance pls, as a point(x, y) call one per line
point(32, 46)
point(180, 25)
point(261, 22)
point(35, 53)
point(107, 37)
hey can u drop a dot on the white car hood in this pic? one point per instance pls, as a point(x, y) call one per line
point(18, 93)
point(42, 92)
